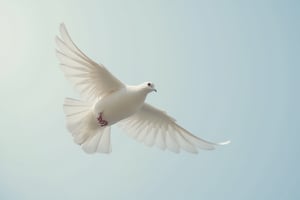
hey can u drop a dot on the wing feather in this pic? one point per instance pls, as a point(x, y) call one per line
point(150, 136)
point(92, 80)
point(152, 126)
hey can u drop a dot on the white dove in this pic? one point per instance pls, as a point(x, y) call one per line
point(108, 101)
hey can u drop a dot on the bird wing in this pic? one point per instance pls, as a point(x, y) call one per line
point(152, 126)
point(92, 80)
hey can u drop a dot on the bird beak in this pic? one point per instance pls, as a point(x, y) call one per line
point(154, 90)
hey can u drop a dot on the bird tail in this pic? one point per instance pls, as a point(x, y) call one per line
point(83, 125)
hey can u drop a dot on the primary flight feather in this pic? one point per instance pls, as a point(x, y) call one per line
point(105, 101)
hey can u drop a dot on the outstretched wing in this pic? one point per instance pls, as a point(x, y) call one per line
point(152, 126)
point(92, 80)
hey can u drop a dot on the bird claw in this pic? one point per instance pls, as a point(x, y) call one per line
point(101, 121)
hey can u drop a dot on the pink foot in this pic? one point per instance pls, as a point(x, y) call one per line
point(101, 121)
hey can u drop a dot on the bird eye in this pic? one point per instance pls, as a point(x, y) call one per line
point(149, 84)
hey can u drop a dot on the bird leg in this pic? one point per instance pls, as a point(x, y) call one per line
point(101, 121)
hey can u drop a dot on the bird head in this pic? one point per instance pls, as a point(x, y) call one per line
point(149, 87)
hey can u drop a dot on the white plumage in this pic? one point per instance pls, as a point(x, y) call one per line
point(106, 101)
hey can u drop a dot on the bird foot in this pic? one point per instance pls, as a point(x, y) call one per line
point(101, 121)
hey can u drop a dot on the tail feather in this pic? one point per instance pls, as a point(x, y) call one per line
point(104, 145)
point(85, 130)
point(74, 106)
point(99, 142)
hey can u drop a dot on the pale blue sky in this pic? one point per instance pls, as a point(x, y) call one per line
point(223, 69)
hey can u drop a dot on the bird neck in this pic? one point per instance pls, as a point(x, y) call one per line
point(138, 90)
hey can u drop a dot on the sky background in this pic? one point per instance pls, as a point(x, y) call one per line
point(223, 69)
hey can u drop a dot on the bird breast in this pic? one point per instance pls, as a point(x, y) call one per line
point(119, 105)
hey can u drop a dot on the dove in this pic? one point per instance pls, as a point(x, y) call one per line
point(105, 101)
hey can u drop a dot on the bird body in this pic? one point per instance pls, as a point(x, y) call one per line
point(106, 101)
point(120, 104)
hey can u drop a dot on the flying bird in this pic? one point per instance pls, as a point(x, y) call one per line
point(106, 101)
